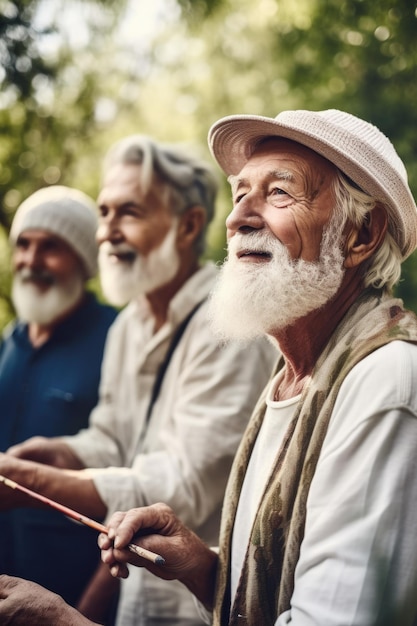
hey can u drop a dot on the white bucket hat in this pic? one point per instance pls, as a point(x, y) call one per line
point(357, 148)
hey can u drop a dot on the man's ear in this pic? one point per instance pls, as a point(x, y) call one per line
point(362, 242)
point(190, 225)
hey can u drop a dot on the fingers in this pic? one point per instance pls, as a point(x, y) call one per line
point(104, 543)
point(119, 570)
point(153, 521)
point(14, 450)
point(123, 527)
point(113, 525)
point(21, 449)
point(117, 566)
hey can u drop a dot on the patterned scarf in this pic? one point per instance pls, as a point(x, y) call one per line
point(267, 580)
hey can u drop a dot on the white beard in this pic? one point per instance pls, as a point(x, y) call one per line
point(123, 281)
point(43, 307)
point(254, 299)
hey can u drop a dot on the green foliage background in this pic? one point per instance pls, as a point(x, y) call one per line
point(63, 103)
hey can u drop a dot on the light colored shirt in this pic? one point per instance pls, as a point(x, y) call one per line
point(276, 421)
point(358, 559)
point(184, 455)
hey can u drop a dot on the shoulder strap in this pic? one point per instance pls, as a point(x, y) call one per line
point(164, 365)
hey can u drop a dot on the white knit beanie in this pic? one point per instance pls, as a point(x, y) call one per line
point(68, 213)
point(359, 149)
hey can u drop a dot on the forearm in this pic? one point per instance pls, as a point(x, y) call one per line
point(99, 595)
point(74, 489)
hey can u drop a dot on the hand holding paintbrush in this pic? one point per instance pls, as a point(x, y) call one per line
point(78, 517)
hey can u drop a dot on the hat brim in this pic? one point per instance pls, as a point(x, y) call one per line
point(233, 139)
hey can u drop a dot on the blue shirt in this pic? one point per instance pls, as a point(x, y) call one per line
point(50, 391)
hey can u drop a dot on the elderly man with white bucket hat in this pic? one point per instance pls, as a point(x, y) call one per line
point(320, 511)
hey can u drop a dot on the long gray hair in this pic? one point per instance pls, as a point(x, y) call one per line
point(187, 180)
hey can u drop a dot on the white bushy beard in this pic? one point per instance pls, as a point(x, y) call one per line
point(253, 299)
point(44, 307)
point(123, 281)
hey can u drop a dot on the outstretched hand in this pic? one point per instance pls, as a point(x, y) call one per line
point(13, 469)
point(157, 528)
point(46, 450)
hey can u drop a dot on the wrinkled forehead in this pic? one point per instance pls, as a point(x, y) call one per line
point(288, 157)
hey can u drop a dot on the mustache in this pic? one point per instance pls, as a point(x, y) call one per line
point(255, 242)
point(28, 275)
point(121, 250)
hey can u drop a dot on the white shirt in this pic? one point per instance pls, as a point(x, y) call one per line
point(274, 426)
point(358, 559)
point(207, 396)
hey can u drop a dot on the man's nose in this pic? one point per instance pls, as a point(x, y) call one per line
point(31, 257)
point(108, 230)
point(245, 216)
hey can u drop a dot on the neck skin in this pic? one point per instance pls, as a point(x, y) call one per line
point(302, 343)
point(160, 299)
point(41, 333)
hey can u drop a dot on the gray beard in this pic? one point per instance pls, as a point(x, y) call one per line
point(121, 282)
point(253, 299)
point(35, 306)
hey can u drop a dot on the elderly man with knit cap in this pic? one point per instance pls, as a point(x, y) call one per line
point(174, 401)
point(50, 360)
point(320, 513)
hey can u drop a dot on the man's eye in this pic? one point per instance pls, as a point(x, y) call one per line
point(132, 212)
point(51, 246)
point(277, 191)
point(239, 198)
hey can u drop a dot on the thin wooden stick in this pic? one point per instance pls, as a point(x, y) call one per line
point(145, 554)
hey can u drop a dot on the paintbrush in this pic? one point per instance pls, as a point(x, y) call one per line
point(145, 554)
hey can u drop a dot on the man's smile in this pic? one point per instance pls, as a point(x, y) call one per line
point(253, 255)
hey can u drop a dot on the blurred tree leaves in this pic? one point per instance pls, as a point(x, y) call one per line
point(48, 92)
point(63, 103)
point(195, 10)
point(48, 96)
point(20, 61)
